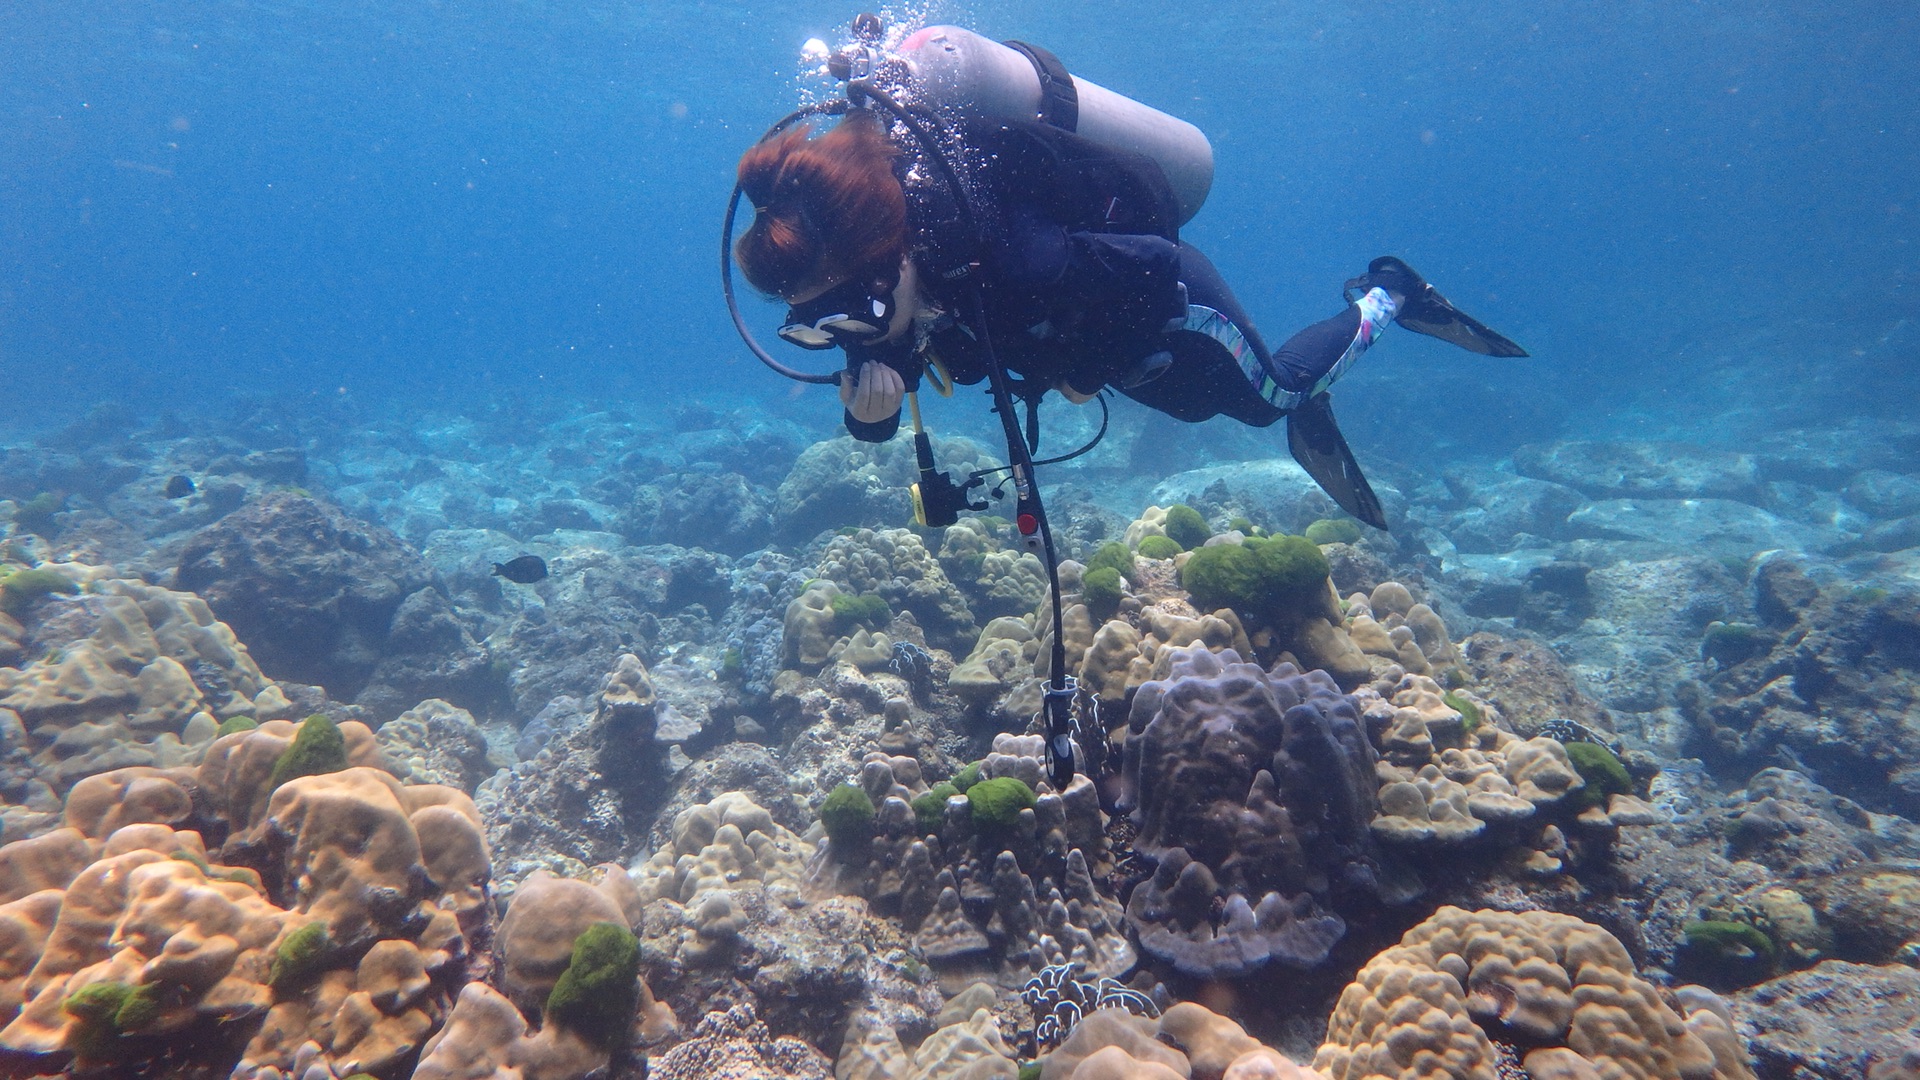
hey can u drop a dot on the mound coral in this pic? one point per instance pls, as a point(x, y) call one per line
point(1253, 792)
point(134, 675)
point(1560, 995)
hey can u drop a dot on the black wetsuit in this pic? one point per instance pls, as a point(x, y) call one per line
point(1079, 275)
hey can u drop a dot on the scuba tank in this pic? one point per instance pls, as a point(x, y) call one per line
point(954, 67)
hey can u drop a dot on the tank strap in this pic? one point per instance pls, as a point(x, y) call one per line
point(1059, 98)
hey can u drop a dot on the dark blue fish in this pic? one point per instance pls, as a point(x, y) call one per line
point(524, 570)
point(179, 487)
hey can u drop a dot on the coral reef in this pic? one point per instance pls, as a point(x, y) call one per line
point(1835, 688)
point(749, 810)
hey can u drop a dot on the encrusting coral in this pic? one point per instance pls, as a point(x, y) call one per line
point(129, 674)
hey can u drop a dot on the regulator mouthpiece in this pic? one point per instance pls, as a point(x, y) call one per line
point(858, 58)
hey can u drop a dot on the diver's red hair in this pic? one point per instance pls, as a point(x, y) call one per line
point(826, 207)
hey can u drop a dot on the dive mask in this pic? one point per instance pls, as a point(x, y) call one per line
point(853, 312)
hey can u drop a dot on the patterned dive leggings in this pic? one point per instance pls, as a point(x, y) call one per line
point(1222, 366)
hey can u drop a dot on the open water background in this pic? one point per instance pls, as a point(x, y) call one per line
point(1700, 217)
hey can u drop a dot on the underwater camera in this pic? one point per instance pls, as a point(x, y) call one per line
point(937, 500)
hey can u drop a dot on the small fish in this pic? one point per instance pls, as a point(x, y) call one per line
point(179, 487)
point(524, 570)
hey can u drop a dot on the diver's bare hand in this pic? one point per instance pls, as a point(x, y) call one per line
point(1077, 397)
point(877, 396)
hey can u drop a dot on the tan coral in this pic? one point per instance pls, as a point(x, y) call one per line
point(536, 938)
point(1402, 636)
point(25, 925)
point(1540, 770)
point(1211, 1042)
point(485, 1038)
point(144, 918)
point(809, 637)
point(1423, 1008)
point(1151, 522)
point(122, 695)
point(351, 841)
point(237, 771)
point(101, 804)
point(973, 1049)
point(1004, 655)
point(1128, 1044)
point(1267, 1063)
point(721, 843)
point(50, 861)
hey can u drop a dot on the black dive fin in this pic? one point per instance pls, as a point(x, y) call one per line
point(1425, 311)
point(1319, 448)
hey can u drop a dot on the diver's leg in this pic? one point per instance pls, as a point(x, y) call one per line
point(1313, 358)
point(1213, 363)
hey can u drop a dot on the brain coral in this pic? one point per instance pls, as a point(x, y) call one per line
point(1253, 791)
point(1437, 1004)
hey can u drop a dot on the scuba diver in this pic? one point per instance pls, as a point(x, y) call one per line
point(1042, 237)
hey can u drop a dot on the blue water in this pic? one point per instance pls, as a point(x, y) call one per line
point(1677, 207)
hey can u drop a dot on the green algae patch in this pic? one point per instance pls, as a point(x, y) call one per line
point(599, 992)
point(236, 723)
point(35, 515)
point(104, 1013)
point(968, 776)
point(1726, 953)
point(318, 748)
point(299, 956)
point(1185, 526)
point(22, 589)
point(1160, 547)
point(1333, 531)
point(1116, 556)
point(996, 803)
point(1469, 712)
point(930, 809)
point(847, 815)
point(1263, 579)
point(867, 609)
point(1100, 591)
point(1604, 773)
